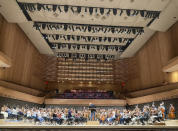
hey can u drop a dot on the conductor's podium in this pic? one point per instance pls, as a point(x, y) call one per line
point(92, 123)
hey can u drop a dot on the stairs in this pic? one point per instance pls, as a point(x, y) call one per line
point(92, 123)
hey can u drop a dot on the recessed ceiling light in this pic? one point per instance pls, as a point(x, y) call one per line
point(131, 1)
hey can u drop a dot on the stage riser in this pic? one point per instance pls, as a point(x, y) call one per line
point(86, 129)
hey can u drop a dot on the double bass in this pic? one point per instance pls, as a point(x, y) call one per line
point(171, 112)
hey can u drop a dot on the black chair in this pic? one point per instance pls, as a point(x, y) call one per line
point(1, 116)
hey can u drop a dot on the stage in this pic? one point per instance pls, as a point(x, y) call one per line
point(170, 125)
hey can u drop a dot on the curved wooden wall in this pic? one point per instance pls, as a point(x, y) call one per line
point(154, 97)
point(10, 93)
point(154, 90)
point(20, 88)
point(20, 96)
point(26, 61)
point(150, 60)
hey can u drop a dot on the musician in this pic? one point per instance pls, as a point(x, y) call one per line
point(171, 112)
point(162, 107)
point(92, 108)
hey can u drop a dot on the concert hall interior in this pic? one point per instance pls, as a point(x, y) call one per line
point(87, 64)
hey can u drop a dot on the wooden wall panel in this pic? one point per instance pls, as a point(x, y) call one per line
point(27, 62)
point(153, 90)
point(106, 102)
point(9, 93)
point(20, 88)
point(154, 97)
point(156, 53)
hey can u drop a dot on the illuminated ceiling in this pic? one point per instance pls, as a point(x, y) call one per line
point(97, 29)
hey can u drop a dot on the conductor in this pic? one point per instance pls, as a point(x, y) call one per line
point(92, 108)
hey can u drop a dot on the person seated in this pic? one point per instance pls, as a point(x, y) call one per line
point(76, 118)
point(122, 119)
point(85, 116)
point(29, 115)
point(14, 113)
point(34, 114)
point(4, 113)
point(160, 114)
point(112, 117)
point(146, 115)
point(69, 117)
point(127, 117)
point(102, 119)
point(55, 119)
point(135, 117)
point(44, 115)
point(162, 108)
point(39, 117)
point(141, 118)
point(157, 115)
point(48, 116)
point(20, 114)
point(118, 117)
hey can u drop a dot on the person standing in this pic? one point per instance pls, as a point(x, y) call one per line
point(92, 108)
point(171, 112)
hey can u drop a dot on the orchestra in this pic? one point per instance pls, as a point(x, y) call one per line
point(69, 116)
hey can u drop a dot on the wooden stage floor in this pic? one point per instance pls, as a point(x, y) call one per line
point(170, 125)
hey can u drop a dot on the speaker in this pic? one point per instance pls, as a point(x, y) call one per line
point(43, 105)
point(127, 106)
point(57, 91)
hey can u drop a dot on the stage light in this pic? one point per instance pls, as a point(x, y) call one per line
point(128, 12)
point(120, 40)
point(66, 8)
point(59, 46)
point(100, 39)
point(78, 47)
point(142, 13)
point(112, 30)
point(89, 38)
point(68, 37)
point(89, 28)
point(109, 39)
point(79, 9)
point(91, 10)
point(65, 27)
point(78, 38)
point(106, 48)
point(69, 46)
point(88, 47)
point(98, 47)
point(115, 11)
point(105, 38)
point(116, 47)
point(102, 11)
point(54, 8)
